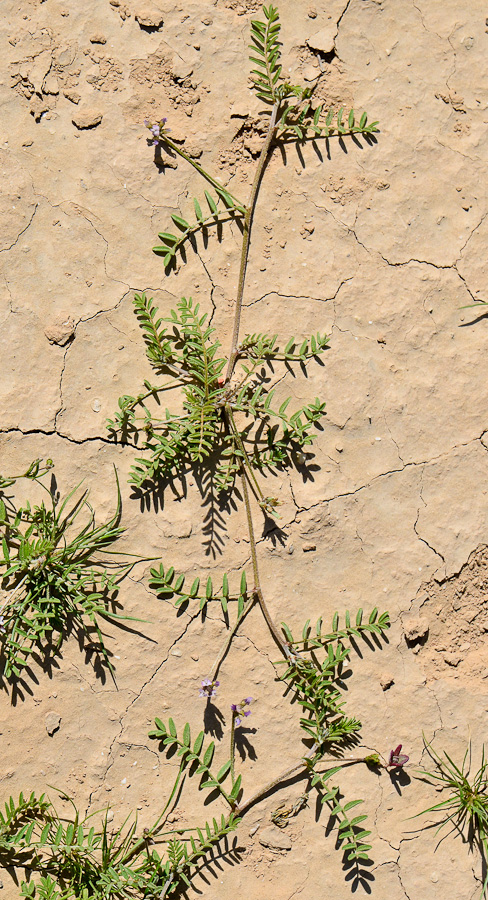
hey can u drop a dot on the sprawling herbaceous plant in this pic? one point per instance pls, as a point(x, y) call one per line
point(228, 424)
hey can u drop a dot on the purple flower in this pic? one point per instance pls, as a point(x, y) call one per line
point(239, 710)
point(157, 131)
point(208, 688)
point(397, 759)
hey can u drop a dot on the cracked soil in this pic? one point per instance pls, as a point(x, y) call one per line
point(379, 246)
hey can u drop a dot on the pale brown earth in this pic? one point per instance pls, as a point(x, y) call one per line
point(380, 247)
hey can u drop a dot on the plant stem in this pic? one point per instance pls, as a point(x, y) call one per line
point(225, 648)
point(289, 773)
point(246, 462)
point(202, 172)
point(257, 592)
point(247, 236)
point(232, 746)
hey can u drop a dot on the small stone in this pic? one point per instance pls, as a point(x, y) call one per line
point(273, 838)
point(308, 548)
point(386, 681)
point(415, 628)
point(110, 815)
point(310, 73)
point(252, 831)
point(452, 658)
point(98, 38)
point(324, 40)
point(38, 108)
point(148, 15)
point(73, 96)
point(181, 69)
point(87, 118)
point(60, 332)
point(52, 722)
point(51, 85)
point(176, 652)
point(207, 20)
point(96, 406)
point(312, 13)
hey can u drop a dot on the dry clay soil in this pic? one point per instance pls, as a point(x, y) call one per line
point(378, 245)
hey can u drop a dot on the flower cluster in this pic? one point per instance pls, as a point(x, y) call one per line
point(239, 710)
point(157, 130)
point(208, 688)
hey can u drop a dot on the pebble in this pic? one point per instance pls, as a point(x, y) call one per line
point(386, 681)
point(323, 40)
point(52, 722)
point(415, 628)
point(148, 15)
point(60, 332)
point(87, 118)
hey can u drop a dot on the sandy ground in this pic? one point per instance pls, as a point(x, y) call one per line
point(380, 246)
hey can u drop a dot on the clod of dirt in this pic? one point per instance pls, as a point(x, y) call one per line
point(73, 96)
point(60, 332)
point(415, 628)
point(386, 681)
point(87, 118)
point(38, 108)
point(181, 68)
point(274, 839)
point(51, 85)
point(148, 15)
point(452, 658)
point(98, 38)
point(323, 40)
point(52, 722)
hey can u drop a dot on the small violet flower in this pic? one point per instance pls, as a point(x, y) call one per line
point(239, 709)
point(208, 688)
point(397, 759)
point(157, 131)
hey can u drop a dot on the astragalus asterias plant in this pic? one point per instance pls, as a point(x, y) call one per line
point(232, 427)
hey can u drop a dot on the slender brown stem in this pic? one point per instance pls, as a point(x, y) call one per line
point(247, 465)
point(232, 747)
point(289, 773)
point(257, 584)
point(213, 181)
point(263, 158)
point(223, 652)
